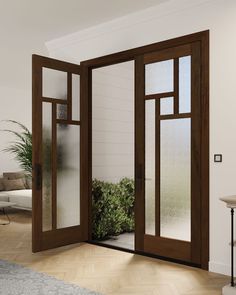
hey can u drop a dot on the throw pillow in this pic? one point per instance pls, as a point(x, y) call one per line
point(13, 184)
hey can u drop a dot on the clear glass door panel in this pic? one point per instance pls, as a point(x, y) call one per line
point(46, 167)
point(159, 77)
point(175, 179)
point(68, 175)
point(150, 174)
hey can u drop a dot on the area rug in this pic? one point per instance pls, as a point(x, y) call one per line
point(19, 280)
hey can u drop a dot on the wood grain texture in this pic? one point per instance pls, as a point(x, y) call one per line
point(176, 86)
point(196, 161)
point(165, 247)
point(205, 61)
point(54, 166)
point(157, 169)
point(139, 153)
point(36, 151)
point(159, 95)
point(166, 54)
point(104, 270)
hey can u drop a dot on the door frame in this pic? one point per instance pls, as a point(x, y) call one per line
point(136, 55)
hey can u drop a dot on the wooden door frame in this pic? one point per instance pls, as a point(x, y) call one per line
point(136, 55)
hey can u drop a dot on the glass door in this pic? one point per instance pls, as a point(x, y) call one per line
point(60, 202)
point(168, 162)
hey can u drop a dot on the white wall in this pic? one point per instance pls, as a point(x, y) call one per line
point(15, 105)
point(15, 90)
point(173, 19)
point(113, 122)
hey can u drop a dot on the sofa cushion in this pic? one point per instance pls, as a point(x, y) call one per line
point(16, 175)
point(14, 184)
point(4, 197)
point(2, 188)
point(22, 198)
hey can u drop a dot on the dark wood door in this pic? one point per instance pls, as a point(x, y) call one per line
point(60, 197)
point(168, 152)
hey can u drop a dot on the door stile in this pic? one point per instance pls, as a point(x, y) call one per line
point(54, 166)
point(86, 149)
point(37, 155)
point(157, 168)
point(196, 153)
point(139, 154)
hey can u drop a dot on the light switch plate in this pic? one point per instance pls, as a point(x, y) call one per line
point(218, 158)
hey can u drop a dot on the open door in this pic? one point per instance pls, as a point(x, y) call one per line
point(60, 198)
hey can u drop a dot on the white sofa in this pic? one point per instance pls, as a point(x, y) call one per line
point(22, 198)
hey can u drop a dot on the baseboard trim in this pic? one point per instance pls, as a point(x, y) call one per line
point(220, 268)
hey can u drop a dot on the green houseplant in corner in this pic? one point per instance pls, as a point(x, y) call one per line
point(21, 148)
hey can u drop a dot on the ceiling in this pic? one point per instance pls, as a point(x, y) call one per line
point(25, 26)
point(54, 18)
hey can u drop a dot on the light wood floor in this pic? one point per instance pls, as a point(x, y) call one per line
point(107, 271)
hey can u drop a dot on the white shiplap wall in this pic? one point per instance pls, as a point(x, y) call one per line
point(113, 122)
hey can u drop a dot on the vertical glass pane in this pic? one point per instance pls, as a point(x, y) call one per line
point(75, 97)
point(166, 106)
point(176, 179)
point(54, 84)
point(62, 111)
point(46, 167)
point(159, 77)
point(185, 84)
point(150, 167)
point(68, 175)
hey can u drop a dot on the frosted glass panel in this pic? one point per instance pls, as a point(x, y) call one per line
point(68, 175)
point(46, 167)
point(175, 179)
point(167, 106)
point(185, 84)
point(62, 111)
point(54, 84)
point(75, 97)
point(159, 77)
point(150, 167)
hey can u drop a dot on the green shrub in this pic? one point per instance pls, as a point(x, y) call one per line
point(112, 208)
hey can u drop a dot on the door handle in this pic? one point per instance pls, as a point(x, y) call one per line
point(38, 176)
point(139, 178)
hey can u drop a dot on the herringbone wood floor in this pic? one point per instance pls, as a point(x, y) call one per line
point(107, 271)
